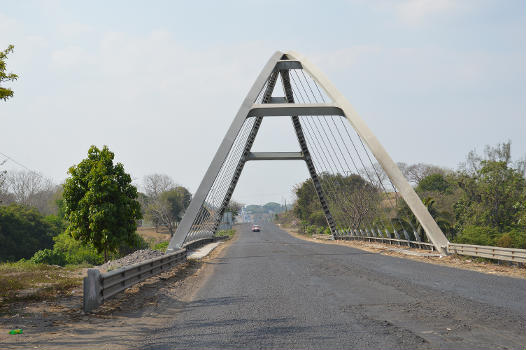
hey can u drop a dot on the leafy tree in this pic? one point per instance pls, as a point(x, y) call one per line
point(101, 203)
point(164, 202)
point(492, 204)
point(317, 218)
point(155, 184)
point(408, 221)
point(492, 197)
point(434, 182)
point(234, 208)
point(168, 207)
point(23, 231)
point(255, 209)
point(350, 198)
point(307, 201)
point(6, 93)
point(273, 206)
point(414, 173)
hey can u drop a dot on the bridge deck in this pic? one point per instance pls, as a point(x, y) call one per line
point(271, 290)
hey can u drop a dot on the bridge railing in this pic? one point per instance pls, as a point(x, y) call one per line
point(99, 287)
point(497, 253)
point(488, 252)
point(395, 241)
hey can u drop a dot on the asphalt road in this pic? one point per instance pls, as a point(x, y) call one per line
point(269, 290)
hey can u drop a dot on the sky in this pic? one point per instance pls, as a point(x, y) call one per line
point(159, 82)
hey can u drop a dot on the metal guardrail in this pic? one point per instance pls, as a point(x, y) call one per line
point(498, 253)
point(99, 287)
point(414, 244)
point(489, 252)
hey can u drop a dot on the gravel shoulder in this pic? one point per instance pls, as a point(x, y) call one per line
point(457, 261)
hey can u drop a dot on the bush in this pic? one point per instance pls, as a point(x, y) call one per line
point(50, 257)
point(434, 182)
point(481, 235)
point(75, 252)
point(136, 243)
point(317, 218)
point(505, 241)
point(161, 246)
point(518, 238)
point(225, 233)
point(311, 229)
point(23, 231)
point(478, 235)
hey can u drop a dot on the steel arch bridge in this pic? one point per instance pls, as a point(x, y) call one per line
point(336, 144)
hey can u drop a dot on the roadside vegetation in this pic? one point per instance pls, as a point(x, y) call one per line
point(28, 281)
point(228, 234)
point(483, 202)
point(50, 233)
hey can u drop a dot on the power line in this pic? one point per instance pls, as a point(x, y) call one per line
point(18, 163)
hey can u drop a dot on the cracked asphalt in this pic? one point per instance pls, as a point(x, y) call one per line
point(269, 290)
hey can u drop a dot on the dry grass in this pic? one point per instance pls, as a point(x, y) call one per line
point(25, 281)
point(152, 236)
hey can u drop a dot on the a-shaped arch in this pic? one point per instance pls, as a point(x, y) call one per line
point(337, 147)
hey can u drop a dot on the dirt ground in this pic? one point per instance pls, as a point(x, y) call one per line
point(151, 235)
point(117, 324)
point(457, 261)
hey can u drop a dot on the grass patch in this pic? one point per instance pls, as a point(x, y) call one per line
point(161, 246)
point(226, 233)
point(27, 281)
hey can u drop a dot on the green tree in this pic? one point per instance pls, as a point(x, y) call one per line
point(491, 208)
point(177, 200)
point(233, 207)
point(167, 208)
point(101, 203)
point(23, 231)
point(350, 198)
point(6, 93)
point(307, 201)
point(434, 182)
point(408, 221)
point(492, 197)
point(274, 207)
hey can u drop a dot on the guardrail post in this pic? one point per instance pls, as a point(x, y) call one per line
point(92, 290)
